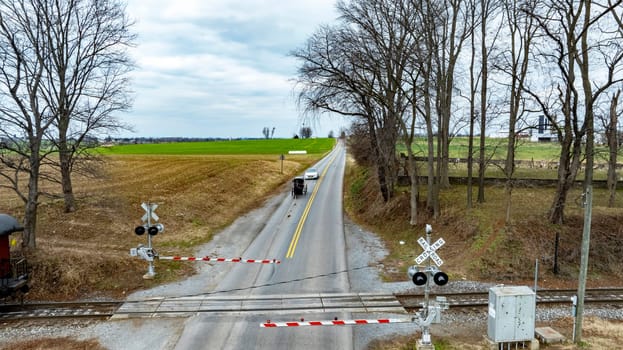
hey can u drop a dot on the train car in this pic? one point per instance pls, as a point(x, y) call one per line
point(13, 269)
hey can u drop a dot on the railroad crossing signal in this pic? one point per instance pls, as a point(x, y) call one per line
point(148, 253)
point(420, 274)
point(429, 251)
point(147, 218)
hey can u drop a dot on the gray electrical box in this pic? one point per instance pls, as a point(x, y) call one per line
point(511, 314)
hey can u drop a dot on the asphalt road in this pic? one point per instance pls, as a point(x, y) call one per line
point(307, 234)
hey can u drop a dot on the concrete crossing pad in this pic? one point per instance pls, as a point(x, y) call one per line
point(265, 304)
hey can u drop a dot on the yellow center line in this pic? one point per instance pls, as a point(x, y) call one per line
point(299, 227)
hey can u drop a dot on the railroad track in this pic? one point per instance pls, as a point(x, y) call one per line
point(58, 310)
point(611, 296)
point(282, 304)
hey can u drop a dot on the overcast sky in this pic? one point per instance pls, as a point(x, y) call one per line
point(209, 68)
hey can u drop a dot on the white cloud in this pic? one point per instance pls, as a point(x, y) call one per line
point(220, 68)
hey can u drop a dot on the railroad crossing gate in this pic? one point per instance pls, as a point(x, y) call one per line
point(149, 254)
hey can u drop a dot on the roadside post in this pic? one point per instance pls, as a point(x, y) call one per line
point(421, 275)
point(148, 253)
point(282, 157)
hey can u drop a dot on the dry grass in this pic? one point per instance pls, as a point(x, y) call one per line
point(55, 344)
point(86, 253)
point(597, 334)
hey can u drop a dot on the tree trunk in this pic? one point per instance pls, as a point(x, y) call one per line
point(509, 170)
point(567, 171)
point(29, 238)
point(481, 161)
point(472, 111)
point(437, 183)
point(414, 195)
point(380, 166)
point(470, 164)
point(443, 129)
point(430, 193)
point(415, 186)
point(65, 158)
point(613, 146)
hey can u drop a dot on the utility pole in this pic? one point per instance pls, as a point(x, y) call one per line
point(586, 242)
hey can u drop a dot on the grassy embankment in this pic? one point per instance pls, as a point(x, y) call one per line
point(479, 244)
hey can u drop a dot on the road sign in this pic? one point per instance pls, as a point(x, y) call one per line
point(149, 212)
point(429, 251)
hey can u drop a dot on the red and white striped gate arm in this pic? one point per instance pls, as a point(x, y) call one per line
point(270, 324)
point(207, 258)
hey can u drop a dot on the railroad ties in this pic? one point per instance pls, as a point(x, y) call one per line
point(254, 304)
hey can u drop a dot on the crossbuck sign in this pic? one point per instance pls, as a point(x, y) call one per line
point(150, 212)
point(429, 251)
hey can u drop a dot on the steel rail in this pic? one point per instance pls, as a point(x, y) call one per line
point(379, 302)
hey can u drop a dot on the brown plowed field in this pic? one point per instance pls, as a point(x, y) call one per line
point(86, 252)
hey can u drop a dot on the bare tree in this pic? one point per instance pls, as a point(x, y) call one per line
point(63, 72)
point(306, 132)
point(25, 116)
point(515, 63)
point(355, 69)
point(331, 78)
point(481, 12)
point(445, 26)
point(453, 30)
point(85, 76)
point(414, 57)
point(484, 90)
point(575, 35)
point(266, 132)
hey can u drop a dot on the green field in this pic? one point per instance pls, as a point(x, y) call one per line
point(235, 147)
point(496, 149)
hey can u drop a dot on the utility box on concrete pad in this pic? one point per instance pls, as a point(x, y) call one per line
point(511, 314)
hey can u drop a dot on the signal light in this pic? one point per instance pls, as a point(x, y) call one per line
point(440, 278)
point(420, 275)
point(153, 230)
point(139, 230)
point(419, 278)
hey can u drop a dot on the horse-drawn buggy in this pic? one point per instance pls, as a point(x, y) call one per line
point(13, 269)
point(299, 187)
